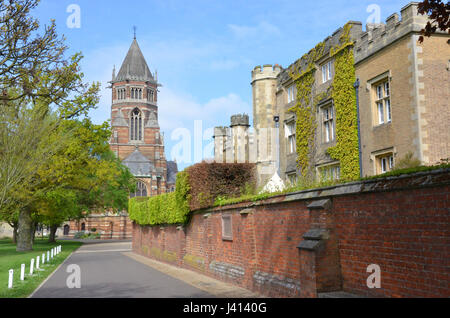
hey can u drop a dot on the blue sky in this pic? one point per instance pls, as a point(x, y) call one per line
point(203, 50)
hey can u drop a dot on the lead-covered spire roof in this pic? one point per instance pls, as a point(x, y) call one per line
point(134, 67)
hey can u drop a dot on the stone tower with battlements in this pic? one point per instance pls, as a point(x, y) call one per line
point(234, 144)
point(240, 134)
point(264, 85)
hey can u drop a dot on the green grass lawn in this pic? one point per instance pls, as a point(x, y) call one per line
point(10, 259)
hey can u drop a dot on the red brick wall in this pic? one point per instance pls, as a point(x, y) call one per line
point(405, 231)
point(121, 226)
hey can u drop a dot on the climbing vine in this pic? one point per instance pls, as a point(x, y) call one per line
point(343, 95)
point(304, 79)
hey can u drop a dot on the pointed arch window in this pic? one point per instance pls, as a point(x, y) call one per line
point(136, 93)
point(121, 93)
point(150, 95)
point(141, 190)
point(136, 125)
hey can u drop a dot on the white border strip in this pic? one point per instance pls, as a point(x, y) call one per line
point(49, 276)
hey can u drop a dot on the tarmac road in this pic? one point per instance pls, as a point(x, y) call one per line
point(106, 272)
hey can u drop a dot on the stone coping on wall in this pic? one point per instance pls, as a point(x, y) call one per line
point(98, 216)
point(422, 179)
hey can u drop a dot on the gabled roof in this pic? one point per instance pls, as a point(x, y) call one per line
point(134, 67)
point(119, 120)
point(139, 165)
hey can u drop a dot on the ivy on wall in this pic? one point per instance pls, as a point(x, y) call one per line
point(304, 110)
point(169, 208)
point(344, 97)
point(343, 94)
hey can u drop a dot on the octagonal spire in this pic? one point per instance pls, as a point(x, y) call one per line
point(134, 67)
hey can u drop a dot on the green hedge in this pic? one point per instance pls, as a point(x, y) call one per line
point(169, 208)
point(196, 188)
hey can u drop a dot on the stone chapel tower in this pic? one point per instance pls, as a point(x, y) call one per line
point(136, 137)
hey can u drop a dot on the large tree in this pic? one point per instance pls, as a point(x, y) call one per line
point(84, 176)
point(39, 89)
point(35, 77)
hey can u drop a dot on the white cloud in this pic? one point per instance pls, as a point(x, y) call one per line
point(260, 30)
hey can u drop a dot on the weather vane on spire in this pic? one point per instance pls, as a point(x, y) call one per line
point(134, 28)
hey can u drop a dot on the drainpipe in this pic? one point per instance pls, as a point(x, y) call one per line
point(356, 86)
point(276, 119)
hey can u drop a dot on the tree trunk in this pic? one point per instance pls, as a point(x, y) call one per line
point(33, 231)
point(14, 227)
point(15, 233)
point(24, 237)
point(52, 236)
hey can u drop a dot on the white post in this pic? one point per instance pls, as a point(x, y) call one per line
point(37, 262)
point(32, 266)
point(10, 280)
point(22, 272)
point(48, 256)
point(43, 258)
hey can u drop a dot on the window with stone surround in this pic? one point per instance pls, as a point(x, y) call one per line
point(329, 172)
point(121, 93)
point(328, 124)
point(136, 125)
point(136, 93)
point(383, 111)
point(385, 163)
point(383, 160)
point(291, 93)
point(290, 131)
point(227, 229)
point(292, 178)
point(141, 190)
point(150, 95)
point(327, 74)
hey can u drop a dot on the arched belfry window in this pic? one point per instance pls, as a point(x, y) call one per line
point(150, 95)
point(121, 93)
point(141, 190)
point(136, 125)
point(136, 93)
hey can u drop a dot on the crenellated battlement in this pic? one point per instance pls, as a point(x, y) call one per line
point(378, 36)
point(267, 71)
point(302, 64)
point(221, 131)
point(240, 120)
